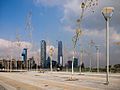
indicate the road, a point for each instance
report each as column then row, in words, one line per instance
column 33, row 80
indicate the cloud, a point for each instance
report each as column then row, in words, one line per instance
column 68, row 28
column 8, row 48
column 93, row 24
column 71, row 9
column 4, row 43
column 115, row 36
column 71, row 12
column 48, row 3
column 99, row 37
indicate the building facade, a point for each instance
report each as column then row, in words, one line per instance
column 75, row 64
column 43, row 53
column 60, row 53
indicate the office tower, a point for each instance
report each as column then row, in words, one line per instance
column 43, row 53
column 24, row 54
column 75, row 64
column 60, row 53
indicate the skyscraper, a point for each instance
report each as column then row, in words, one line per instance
column 24, row 56
column 60, row 53
column 43, row 53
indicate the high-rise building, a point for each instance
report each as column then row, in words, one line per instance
column 75, row 63
column 24, row 54
column 60, row 53
column 43, row 53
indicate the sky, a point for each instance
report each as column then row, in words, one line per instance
column 54, row 20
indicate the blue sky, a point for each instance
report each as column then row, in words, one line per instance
column 45, row 21
column 56, row 20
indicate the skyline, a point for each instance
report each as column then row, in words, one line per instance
column 56, row 20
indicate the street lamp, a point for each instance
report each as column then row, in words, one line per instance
column 97, row 57
column 91, row 43
column 107, row 13
column 51, row 54
column 75, row 39
column 81, row 61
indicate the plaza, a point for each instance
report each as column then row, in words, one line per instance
column 59, row 45
column 35, row 80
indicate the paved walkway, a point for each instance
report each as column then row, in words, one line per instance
column 57, row 81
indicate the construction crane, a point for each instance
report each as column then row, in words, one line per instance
column 29, row 29
column 29, row 26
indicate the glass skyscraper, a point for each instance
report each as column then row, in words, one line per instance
column 43, row 53
column 60, row 53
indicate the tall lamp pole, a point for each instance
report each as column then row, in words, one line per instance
column 51, row 54
column 107, row 13
column 84, row 6
column 81, row 61
column 97, row 57
column 75, row 39
column 91, row 43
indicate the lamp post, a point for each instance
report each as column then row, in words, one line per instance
column 51, row 54
column 78, row 33
column 97, row 57
column 75, row 39
column 91, row 43
column 81, row 57
column 107, row 13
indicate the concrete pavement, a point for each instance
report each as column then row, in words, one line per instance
column 58, row 81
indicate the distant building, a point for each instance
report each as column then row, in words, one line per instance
column 54, row 63
column 31, row 63
column 75, row 64
column 69, row 63
column 60, row 53
column 47, row 63
column 10, row 64
column 43, row 53
column 24, row 54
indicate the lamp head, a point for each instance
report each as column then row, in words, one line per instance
column 83, row 5
column 51, row 51
column 107, row 12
